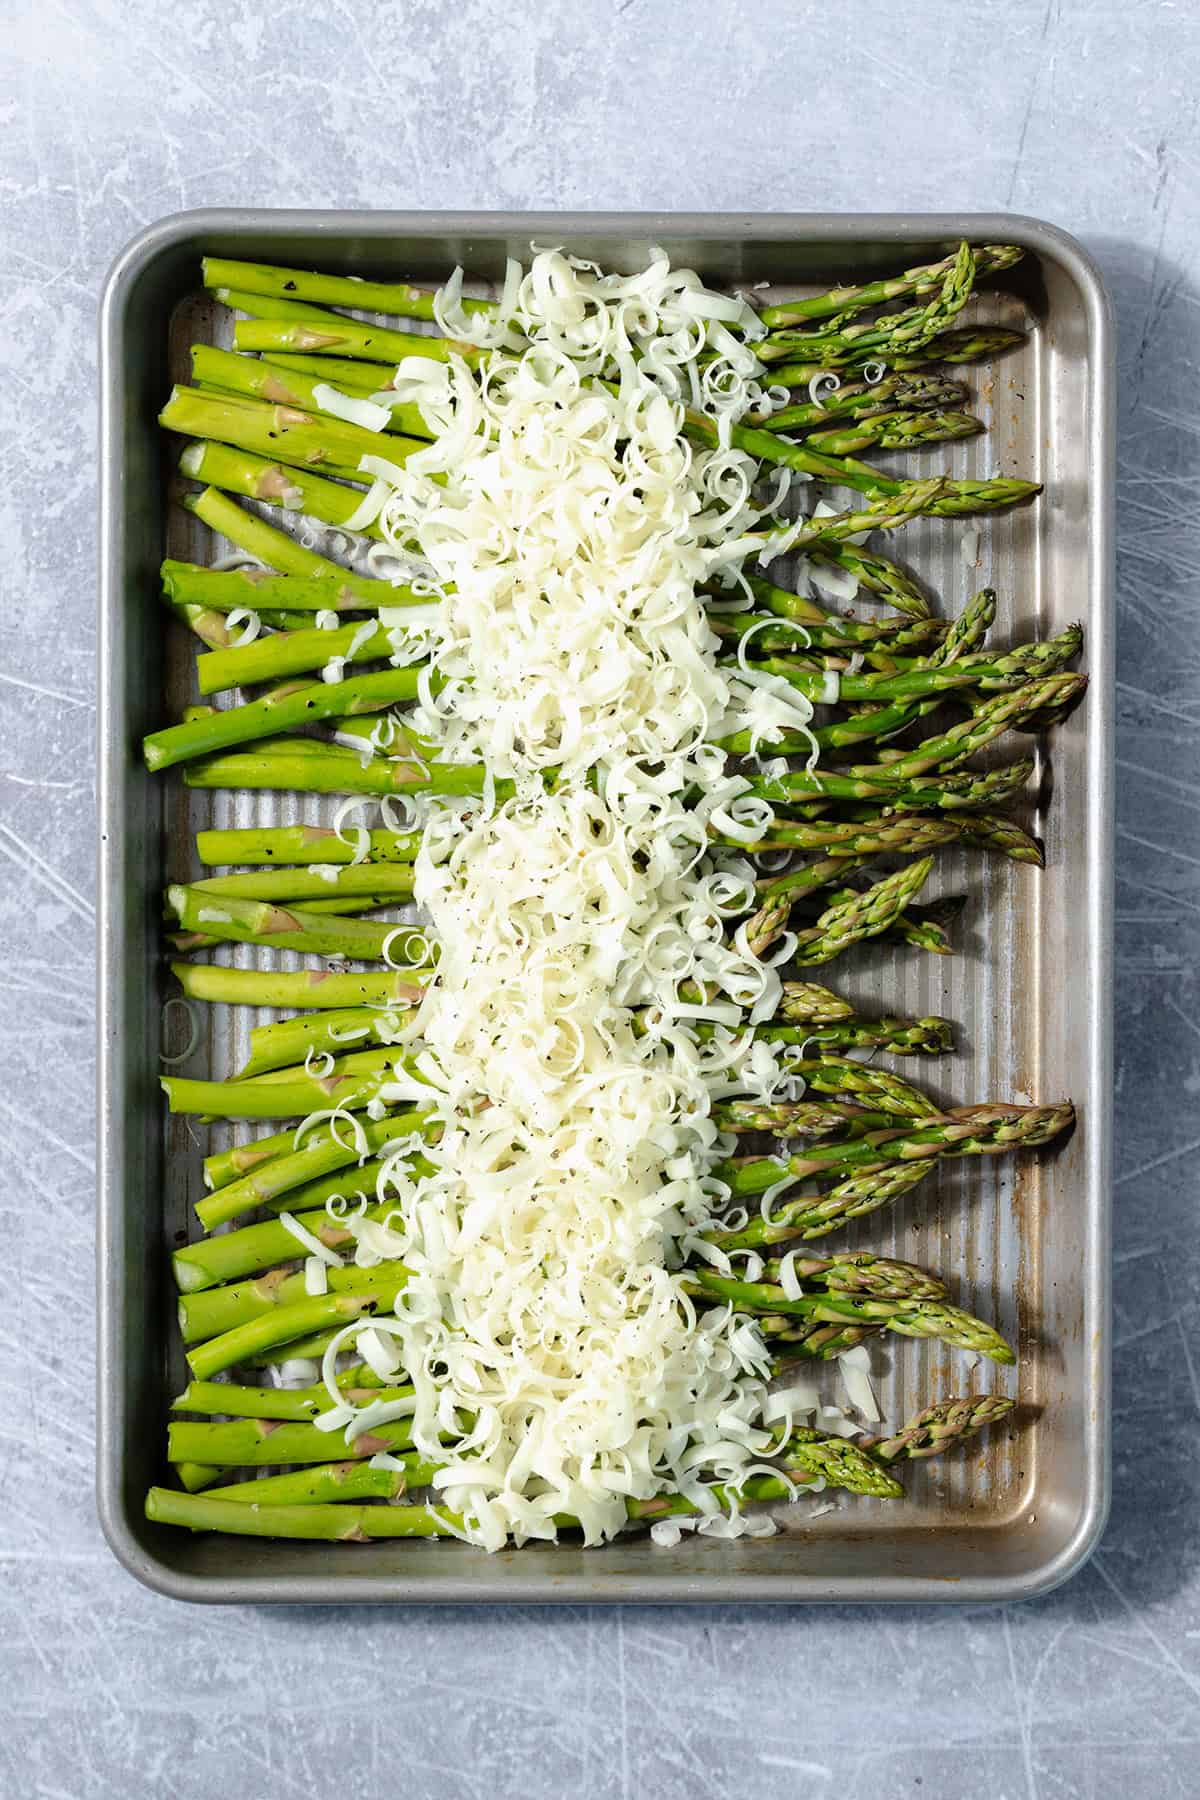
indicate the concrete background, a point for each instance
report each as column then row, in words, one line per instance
column 118, row 111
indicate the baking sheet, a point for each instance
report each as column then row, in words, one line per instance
column 1023, row 1241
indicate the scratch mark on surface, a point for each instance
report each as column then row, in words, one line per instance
column 49, row 693
column 1157, row 1162
column 1140, row 1620
column 26, row 857
column 1021, row 1709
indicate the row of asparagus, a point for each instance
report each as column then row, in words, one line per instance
column 860, row 1138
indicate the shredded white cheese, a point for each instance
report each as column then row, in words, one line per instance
column 566, row 524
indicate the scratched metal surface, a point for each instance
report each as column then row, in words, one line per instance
column 1088, row 117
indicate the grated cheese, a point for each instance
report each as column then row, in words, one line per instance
column 566, row 525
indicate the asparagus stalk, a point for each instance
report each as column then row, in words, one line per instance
column 259, row 1442
column 276, row 549
column 899, row 1037
column 266, row 1099
column 987, row 259
column 400, row 297
column 865, row 400
column 336, row 1524
column 286, row 708
column 865, row 915
column 292, row 1040
column 940, row 1426
column 908, row 1317
column 330, row 1484
column 996, row 716
column 805, row 1001
column 344, row 337
column 986, row 1130
column 230, row 373
column 296, row 988
column 259, row 306
column 953, row 499
column 894, row 431
column 878, row 1088
column 286, row 432
column 908, row 330
column 291, row 928
column 360, row 378
column 224, row 1166
column 862, row 1272
column 213, row 1311
column 962, row 344
column 296, row 1406
column 328, row 590
column 231, row 1255
column 878, row 576
column 813, row 1215
column 384, row 883
column 285, row 844
column 294, row 653
column 282, row 1325
column 279, row 484
column 267, row 1180
column 799, row 1118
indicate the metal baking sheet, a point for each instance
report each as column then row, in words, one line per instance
column 1025, row 1241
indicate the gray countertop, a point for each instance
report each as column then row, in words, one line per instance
column 118, row 111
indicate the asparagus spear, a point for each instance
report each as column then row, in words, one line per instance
column 284, row 844
column 935, row 1430
column 276, row 549
column 230, row 1255
column 296, row 988
column 282, row 1325
column 899, row 1037
column 248, row 376
column 259, row 1442
column 878, row 1088
column 997, row 715
column 864, row 400
column 360, row 378
column 908, row 1317
column 293, row 489
column 805, row 1001
column 862, row 1272
column 894, row 431
column 814, row 1215
column 953, row 499
column 401, row 297
column 259, row 306
column 284, row 709
column 296, row 1406
column 270, row 1179
column 987, row 1130
column 329, row 590
column 866, row 915
column 382, row 882
column 294, row 653
column 213, row 1311
column 909, row 330
column 963, row 344
column 340, row 336
column 292, row 928
column 987, row 259
column 286, row 432
column 878, row 576
column 339, row 1524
